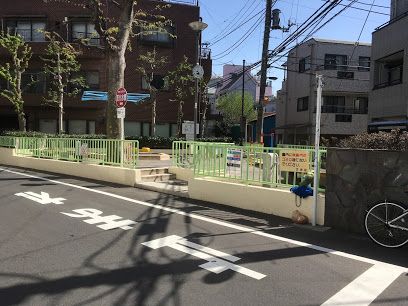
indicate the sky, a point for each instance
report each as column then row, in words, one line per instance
column 223, row 16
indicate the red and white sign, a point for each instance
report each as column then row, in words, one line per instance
column 121, row 97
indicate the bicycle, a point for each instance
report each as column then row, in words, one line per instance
column 387, row 224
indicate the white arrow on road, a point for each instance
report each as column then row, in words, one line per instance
column 42, row 198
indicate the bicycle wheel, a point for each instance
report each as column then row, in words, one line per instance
column 376, row 225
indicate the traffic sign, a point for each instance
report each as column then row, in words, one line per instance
column 121, row 113
column 121, row 97
column 198, row 72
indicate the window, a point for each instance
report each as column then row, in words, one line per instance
column 30, row 30
column 85, row 30
column 158, row 36
column 77, row 127
column 304, row 64
column 302, row 104
column 158, row 82
column 33, row 82
column 345, row 74
column 146, row 129
column 389, row 70
column 364, row 63
column 163, row 129
column 48, row 126
column 91, row 79
column 333, row 104
column 335, row 62
column 132, row 128
column 344, row 118
column 360, row 105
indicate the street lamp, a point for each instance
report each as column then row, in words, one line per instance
column 197, row 27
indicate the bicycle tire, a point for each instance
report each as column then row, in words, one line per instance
column 379, row 231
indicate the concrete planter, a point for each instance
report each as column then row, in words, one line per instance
column 357, row 179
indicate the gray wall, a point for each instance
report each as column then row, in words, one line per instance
column 358, row 179
column 390, row 102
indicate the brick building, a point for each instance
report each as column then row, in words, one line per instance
column 72, row 23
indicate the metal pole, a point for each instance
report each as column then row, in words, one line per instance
column 196, row 88
column 317, row 145
column 122, row 138
column 243, row 125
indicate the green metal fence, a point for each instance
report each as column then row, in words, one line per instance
column 297, row 146
column 96, row 151
column 183, row 152
column 7, row 141
column 268, row 167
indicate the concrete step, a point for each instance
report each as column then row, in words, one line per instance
column 151, row 171
column 162, row 177
column 174, row 187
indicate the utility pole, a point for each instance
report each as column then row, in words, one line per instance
column 243, row 121
column 316, row 175
column 264, row 68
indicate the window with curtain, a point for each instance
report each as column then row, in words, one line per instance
column 30, row 30
column 335, row 62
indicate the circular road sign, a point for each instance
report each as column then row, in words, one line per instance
column 198, row 72
column 121, row 97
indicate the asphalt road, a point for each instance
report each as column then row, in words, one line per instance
column 56, row 248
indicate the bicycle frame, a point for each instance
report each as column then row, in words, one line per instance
column 396, row 219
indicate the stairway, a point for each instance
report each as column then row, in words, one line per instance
column 160, row 180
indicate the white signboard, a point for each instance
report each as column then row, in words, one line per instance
column 121, row 113
column 217, row 261
column 188, row 127
column 234, row 158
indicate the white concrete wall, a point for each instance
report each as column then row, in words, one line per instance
column 117, row 175
column 182, row 173
column 266, row 200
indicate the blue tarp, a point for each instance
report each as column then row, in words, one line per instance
column 103, row 96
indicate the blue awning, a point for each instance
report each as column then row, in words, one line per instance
column 103, row 96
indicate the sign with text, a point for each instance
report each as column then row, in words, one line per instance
column 121, row 97
column 294, row 160
column 234, row 158
column 121, row 113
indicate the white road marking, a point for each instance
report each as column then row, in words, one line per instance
column 109, row 222
column 214, row 264
column 365, row 288
column 42, row 198
column 219, row 222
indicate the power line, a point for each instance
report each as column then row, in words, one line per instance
column 239, row 26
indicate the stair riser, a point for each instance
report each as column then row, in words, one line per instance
column 154, row 171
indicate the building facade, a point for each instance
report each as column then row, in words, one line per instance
column 389, row 85
column 345, row 67
column 74, row 23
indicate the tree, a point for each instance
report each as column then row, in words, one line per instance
column 150, row 62
column 114, row 32
column 60, row 65
column 230, row 106
column 12, row 71
column 181, row 81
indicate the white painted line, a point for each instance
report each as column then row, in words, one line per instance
column 208, row 250
column 365, row 288
column 218, row 222
column 214, row 264
column 42, row 198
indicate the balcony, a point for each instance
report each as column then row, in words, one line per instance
column 336, row 109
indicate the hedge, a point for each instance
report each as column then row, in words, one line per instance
column 155, row 142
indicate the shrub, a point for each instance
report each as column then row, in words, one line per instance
column 395, row 140
column 156, row 142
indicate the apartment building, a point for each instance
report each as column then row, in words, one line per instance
column 73, row 22
column 389, row 85
column 345, row 67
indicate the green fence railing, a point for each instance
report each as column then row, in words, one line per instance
column 297, row 146
column 183, row 152
column 263, row 166
column 96, row 151
column 7, row 141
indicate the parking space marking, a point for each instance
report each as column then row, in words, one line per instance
column 214, row 264
column 218, row 222
column 365, row 288
column 42, row 198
